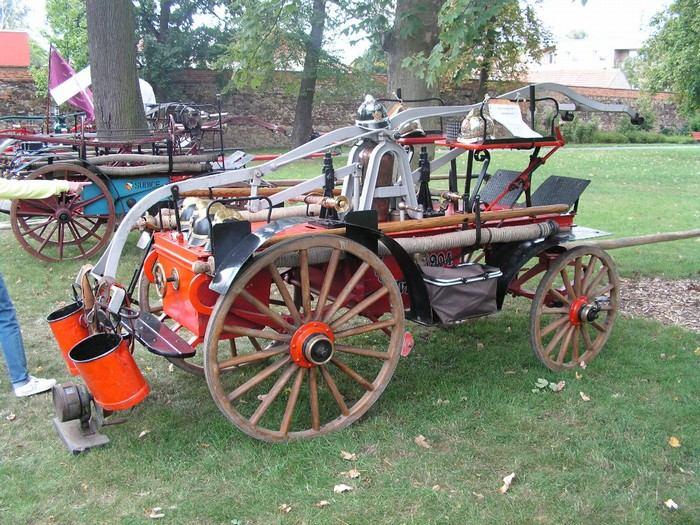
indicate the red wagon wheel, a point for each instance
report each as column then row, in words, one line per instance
column 65, row 227
column 574, row 308
column 326, row 359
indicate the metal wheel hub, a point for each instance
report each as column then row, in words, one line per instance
column 583, row 311
column 63, row 214
column 312, row 344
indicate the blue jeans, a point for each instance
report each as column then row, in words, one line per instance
column 11, row 339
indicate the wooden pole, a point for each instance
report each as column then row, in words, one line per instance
column 626, row 242
column 439, row 222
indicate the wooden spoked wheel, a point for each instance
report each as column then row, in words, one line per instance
column 574, row 308
column 326, row 358
column 65, row 227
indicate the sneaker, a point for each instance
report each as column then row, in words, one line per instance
column 35, row 385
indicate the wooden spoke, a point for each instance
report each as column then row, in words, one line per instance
column 565, row 344
column 264, row 309
column 577, row 277
column 365, row 328
column 255, row 344
column 595, row 280
column 270, row 397
column 347, row 290
column 38, row 226
column 574, row 350
column 556, row 338
column 48, row 237
column 77, row 238
column 559, row 296
column 334, row 391
column 587, row 339
column 327, row 282
column 292, row 401
column 590, row 268
column 598, row 327
column 603, row 291
column 359, row 308
column 554, row 311
column 567, row 283
column 362, row 351
column 258, row 378
column 305, row 283
column 262, row 334
column 284, row 292
column 352, row 374
column 313, row 399
column 554, row 325
column 252, row 358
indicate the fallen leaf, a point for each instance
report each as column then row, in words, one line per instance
column 352, row 473
column 143, row 433
column 149, row 369
column 155, row 513
column 578, row 376
column 674, row 442
column 557, row 387
column 506, row 483
column 436, row 487
column 697, row 351
column 322, row 503
column 479, row 346
column 348, row 456
column 584, row 396
column 510, row 372
column 421, row 441
column 688, row 472
column 616, row 395
column 11, row 416
column 535, row 390
column 442, row 402
column 286, row 508
column 171, row 367
column 541, row 382
column 478, row 495
column 583, row 364
column 670, row 504
column 341, row 488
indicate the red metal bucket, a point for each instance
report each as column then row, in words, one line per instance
column 69, row 328
column 109, row 371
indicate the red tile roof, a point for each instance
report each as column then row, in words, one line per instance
column 14, row 49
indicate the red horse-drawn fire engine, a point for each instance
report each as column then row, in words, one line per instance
column 293, row 302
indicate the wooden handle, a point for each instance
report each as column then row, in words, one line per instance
column 242, row 192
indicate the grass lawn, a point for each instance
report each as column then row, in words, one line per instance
column 467, row 390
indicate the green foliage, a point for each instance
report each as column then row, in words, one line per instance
column 694, row 122
column 171, row 38
column 67, row 30
column 39, row 59
column 669, row 59
column 579, row 132
column 495, row 36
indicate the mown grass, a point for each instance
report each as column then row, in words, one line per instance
column 466, row 389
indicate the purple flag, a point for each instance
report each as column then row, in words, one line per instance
column 67, row 86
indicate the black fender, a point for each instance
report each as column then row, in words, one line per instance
column 511, row 257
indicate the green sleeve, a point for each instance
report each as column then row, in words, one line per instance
column 31, row 189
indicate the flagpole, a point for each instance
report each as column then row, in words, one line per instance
column 48, row 94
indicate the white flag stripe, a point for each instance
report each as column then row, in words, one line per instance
column 72, row 86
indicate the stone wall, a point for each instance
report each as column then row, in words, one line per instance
column 17, row 94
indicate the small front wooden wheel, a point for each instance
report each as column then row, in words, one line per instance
column 326, row 358
column 574, row 308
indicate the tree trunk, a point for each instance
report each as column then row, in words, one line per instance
column 485, row 69
column 164, row 21
column 401, row 43
column 305, row 101
column 119, row 110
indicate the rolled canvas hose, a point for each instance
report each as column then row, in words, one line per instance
column 444, row 241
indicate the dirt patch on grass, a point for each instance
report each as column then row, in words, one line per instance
column 672, row 302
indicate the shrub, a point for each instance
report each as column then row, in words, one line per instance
column 694, row 122
column 610, row 137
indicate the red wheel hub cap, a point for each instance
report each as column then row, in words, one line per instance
column 312, row 344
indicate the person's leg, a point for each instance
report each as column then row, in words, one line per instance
column 11, row 339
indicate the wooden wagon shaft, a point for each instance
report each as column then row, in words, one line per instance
column 639, row 240
column 243, row 192
column 438, row 222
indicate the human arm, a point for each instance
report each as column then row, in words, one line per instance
column 37, row 189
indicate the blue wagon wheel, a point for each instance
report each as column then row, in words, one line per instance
column 65, row 227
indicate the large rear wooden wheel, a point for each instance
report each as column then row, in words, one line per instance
column 574, row 308
column 65, row 227
column 325, row 358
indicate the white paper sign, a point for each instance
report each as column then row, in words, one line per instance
column 509, row 116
